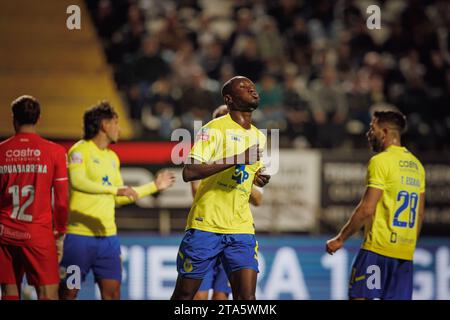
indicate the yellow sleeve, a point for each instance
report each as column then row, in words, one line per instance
column 142, row 191
column 422, row 179
column 376, row 173
column 78, row 178
column 205, row 145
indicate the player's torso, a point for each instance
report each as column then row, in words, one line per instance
column 222, row 200
column 92, row 213
column 101, row 166
column 26, row 175
column 394, row 225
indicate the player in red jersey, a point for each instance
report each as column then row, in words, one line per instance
column 30, row 168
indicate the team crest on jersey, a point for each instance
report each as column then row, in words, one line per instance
column 203, row 134
column 105, row 181
column 240, row 175
column 76, row 158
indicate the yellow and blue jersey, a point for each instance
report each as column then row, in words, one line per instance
column 392, row 231
column 94, row 176
column 221, row 204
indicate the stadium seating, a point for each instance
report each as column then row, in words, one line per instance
column 64, row 69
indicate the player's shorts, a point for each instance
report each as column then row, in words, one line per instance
column 216, row 279
column 379, row 277
column 39, row 262
column 199, row 251
column 101, row 254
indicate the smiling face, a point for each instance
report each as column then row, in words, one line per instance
column 242, row 95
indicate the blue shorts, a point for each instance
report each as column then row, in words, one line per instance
column 101, row 254
column 216, row 279
column 379, row 277
column 200, row 250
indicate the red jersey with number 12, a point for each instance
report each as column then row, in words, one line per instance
column 30, row 167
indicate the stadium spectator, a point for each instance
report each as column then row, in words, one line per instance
column 262, row 37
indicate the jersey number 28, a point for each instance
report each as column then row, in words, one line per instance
column 409, row 200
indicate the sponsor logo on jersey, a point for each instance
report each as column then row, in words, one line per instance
column 22, row 153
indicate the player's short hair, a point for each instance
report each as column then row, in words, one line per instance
column 93, row 117
column 227, row 88
column 26, row 110
column 394, row 118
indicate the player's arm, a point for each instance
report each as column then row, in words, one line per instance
column 198, row 171
column 363, row 212
column 79, row 179
column 421, row 213
column 421, row 201
column 194, row 187
column 60, row 187
column 165, row 179
column 256, row 196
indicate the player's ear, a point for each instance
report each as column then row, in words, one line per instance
column 103, row 124
column 228, row 99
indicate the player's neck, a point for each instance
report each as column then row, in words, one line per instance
column 26, row 129
column 393, row 142
column 244, row 119
column 101, row 141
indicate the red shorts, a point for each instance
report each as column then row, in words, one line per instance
column 38, row 262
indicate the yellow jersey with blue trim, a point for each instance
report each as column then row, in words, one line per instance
column 392, row 231
column 221, row 204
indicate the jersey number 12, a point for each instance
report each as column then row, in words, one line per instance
column 19, row 211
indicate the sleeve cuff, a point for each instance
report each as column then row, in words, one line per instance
column 196, row 157
column 146, row 189
column 376, row 186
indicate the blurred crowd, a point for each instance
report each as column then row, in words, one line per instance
column 318, row 68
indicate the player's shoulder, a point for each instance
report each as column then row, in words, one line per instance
column 380, row 159
column 217, row 123
column 53, row 146
column 261, row 136
column 112, row 154
column 79, row 146
column 6, row 142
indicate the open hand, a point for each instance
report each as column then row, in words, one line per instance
column 164, row 179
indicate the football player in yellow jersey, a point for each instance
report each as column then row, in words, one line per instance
column 96, row 188
column 225, row 157
column 216, row 278
column 391, row 211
